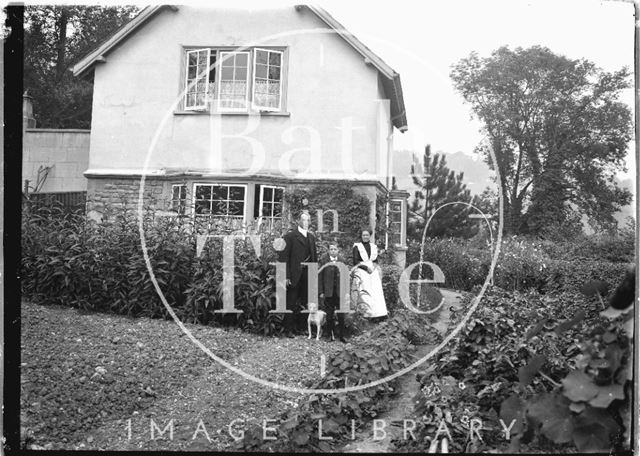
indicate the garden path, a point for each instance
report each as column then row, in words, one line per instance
column 408, row 387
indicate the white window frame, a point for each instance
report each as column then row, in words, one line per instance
column 402, row 221
column 221, row 58
column 273, row 187
column 211, row 102
column 254, row 106
column 186, row 79
column 219, row 184
column 173, row 186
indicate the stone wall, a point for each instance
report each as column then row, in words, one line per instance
column 104, row 191
column 124, row 192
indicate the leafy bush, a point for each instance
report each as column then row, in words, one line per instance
column 462, row 270
column 614, row 246
column 390, row 279
column 522, row 265
column 70, row 260
column 549, row 362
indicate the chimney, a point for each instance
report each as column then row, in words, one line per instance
column 28, row 121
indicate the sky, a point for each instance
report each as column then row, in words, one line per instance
column 422, row 40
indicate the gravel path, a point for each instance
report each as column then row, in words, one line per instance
column 408, row 387
column 85, row 375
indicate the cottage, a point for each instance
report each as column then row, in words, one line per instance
column 225, row 110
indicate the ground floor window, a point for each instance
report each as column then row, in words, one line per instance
column 220, row 203
column 179, row 198
column 229, row 206
column 268, row 203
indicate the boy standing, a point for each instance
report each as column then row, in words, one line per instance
column 329, row 289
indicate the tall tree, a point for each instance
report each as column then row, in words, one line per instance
column 558, row 131
column 56, row 38
column 438, row 185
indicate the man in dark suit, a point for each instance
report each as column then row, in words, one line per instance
column 300, row 248
column 329, row 290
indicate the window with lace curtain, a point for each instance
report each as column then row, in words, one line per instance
column 230, row 80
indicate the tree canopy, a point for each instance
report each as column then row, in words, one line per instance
column 56, row 38
column 438, row 185
column 558, row 131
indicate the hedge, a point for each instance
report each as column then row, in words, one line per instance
column 70, row 260
column 522, row 265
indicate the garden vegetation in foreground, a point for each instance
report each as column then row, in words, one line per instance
column 536, row 357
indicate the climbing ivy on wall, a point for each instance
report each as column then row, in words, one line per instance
column 353, row 210
column 381, row 215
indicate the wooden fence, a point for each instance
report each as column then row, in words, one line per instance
column 71, row 201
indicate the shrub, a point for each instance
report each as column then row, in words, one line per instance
column 571, row 275
column 547, row 360
column 523, row 264
column 70, row 260
column 390, row 277
column 462, row 270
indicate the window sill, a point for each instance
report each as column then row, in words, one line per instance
column 205, row 112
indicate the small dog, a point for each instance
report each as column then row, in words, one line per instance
column 318, row 318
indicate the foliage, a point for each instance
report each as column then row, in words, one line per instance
column 526, row 263
column 382, row 227
column 353, row 211
column 56, row 38
column 430, row 297
column 371, row 356
column 506, row 365
column 437, row 186
column 390, row 279
column 558, row 131
column 70, row 260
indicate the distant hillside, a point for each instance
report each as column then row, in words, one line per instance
column 477, row 176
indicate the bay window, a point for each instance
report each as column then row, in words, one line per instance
column 221, row 204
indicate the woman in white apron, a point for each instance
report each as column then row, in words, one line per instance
column 368, row 276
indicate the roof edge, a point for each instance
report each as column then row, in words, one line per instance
column 399, row 120
column 97, row 55
column 350, row 38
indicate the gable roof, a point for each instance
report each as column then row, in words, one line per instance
column 98, row 55
column 390, row 79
